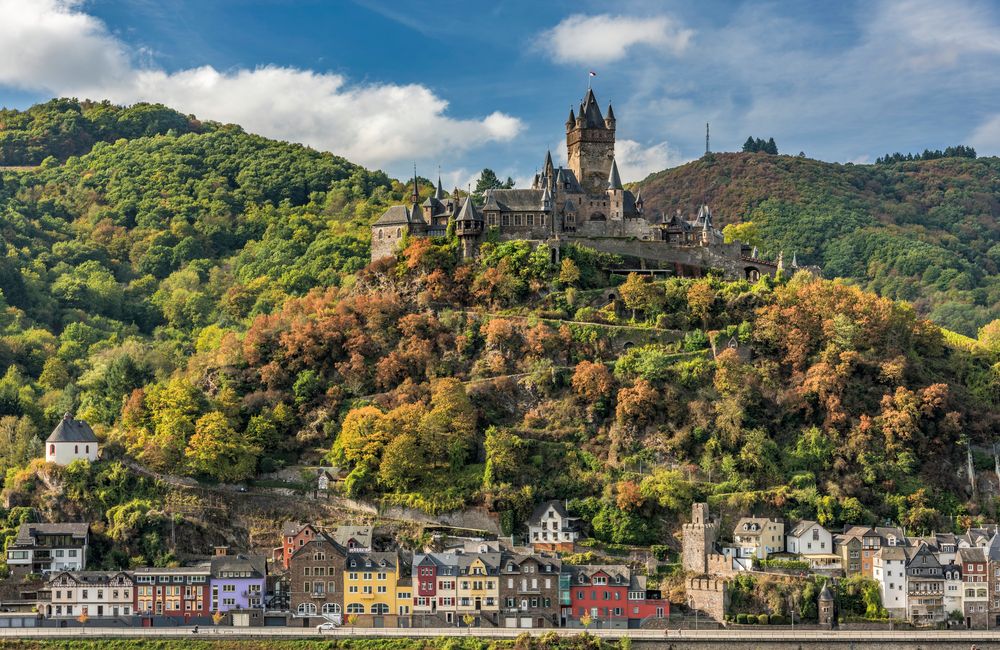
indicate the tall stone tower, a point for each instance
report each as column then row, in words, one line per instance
column 699, row 539
column 590, row 144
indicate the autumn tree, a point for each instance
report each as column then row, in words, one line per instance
column 217, row 450
column 569, row 272
column 592, row 381
column 639, row 294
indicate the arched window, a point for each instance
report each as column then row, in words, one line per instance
column 399, row 232
column 87, row 449
column 381, row 233
column 76, row 449
column 355, row 608
column 380, row 608
column 306, row 608
column 331, row 608
column 52, row 450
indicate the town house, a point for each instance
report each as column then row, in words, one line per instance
column 529, row 590
column 316, row 579
column 45, row 548
column 238, row 581
column 758, row 537
column 178, row 592
column 94, row 594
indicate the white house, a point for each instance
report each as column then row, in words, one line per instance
column 71, row 440
column 91, row 593
column 45, row 548
column 551, row 528
column 889, row 571
column 954, row 589
column 809, row 538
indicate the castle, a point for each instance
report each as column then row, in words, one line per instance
column 582, row 203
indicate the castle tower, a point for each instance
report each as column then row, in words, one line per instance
column 699, row 539
column 590, row 145
column 469, row 227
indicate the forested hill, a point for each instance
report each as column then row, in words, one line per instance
column 923, row 231
column 204, row 300
column 66, row 127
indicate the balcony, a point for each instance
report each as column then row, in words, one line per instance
column 317, row 594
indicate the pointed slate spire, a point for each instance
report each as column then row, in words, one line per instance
column 590, row 111
column 416, row 191
column 546, row 198
column 547, row 167
column 572, row 119
column 468, row 211
column 611, row 112
column 439, row 192
column 638, row 198
column 614, row 180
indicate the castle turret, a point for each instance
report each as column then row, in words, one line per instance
column 468, row 227
column 609, row 121
column 571, row 122
column 638, row 201
column 616, row 193
column 415, row 197
column 439, row 192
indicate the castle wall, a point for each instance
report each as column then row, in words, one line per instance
column 709, row 595
column 386, row 245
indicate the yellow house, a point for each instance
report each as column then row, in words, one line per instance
column 478, row 593
column 372, row 589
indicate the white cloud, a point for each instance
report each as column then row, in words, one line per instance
column 52, row 45
column 605, row 38
column 636, row 161
column 986, row 137
column 932, row 33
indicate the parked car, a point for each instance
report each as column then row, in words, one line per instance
column 323, row 627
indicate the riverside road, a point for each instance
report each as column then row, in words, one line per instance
column 651, row 639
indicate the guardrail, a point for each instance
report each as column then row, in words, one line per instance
column 884, row 636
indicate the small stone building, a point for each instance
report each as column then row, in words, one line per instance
column 827, row 608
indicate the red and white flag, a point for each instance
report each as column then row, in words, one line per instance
column 593, row 74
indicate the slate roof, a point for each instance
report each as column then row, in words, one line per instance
column 614, row 180
column 971, row 555
column 892, row 553
column 469, row 212
column 70, row 430
column 361, row 534
column 255, row 564
column 90, row 577
column 27, row 533
column 292, row 528
column 591, row 112
column 516, row 200
column 541, row 508
column 394, row 215
column 802, row 527
column 378, row 560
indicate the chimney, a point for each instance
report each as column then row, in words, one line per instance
column 221, row 551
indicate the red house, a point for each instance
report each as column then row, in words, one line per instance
column 294, row 535
column 612, row 597
column 181, row 592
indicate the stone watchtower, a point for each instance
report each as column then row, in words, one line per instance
column 590, row 145
column 699, row 539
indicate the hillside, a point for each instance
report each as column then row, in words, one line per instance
column 204, row 300
column 923, row 231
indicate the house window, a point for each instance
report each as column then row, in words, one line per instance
column 505, row 220
column 491, row 219
column 76, row 449
column 52, row 450
column 529, row 219
column 517, row 219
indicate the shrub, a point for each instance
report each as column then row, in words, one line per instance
column 778, row 619
column 741, row 619
column 762, row 619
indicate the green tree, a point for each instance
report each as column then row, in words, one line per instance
column 217, row 450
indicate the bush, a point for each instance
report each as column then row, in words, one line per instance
column 762, row 619
column 778, row 619
column 741, row 619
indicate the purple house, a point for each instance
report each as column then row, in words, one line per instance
column 238, row 581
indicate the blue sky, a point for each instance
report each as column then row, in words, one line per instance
column 464, row 85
